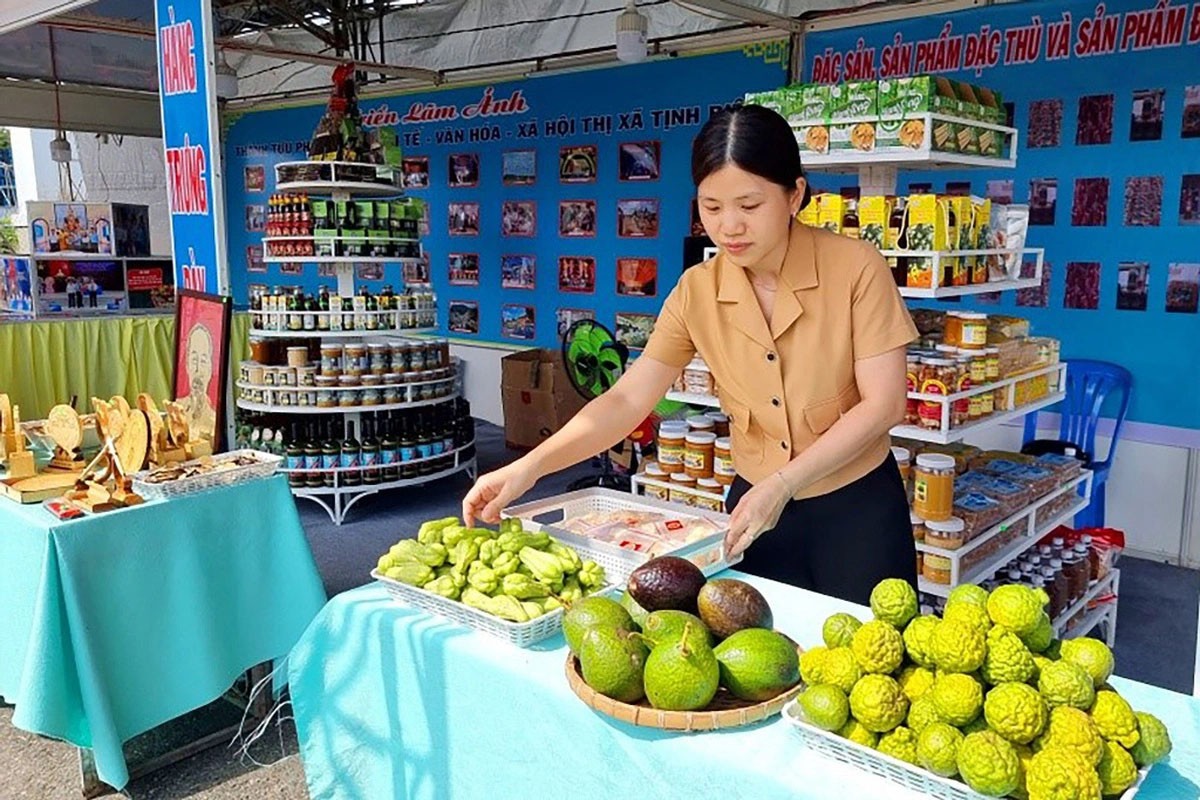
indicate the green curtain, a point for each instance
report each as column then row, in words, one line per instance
column 45, row 363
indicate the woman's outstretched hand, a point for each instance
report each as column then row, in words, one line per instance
column 495, row 490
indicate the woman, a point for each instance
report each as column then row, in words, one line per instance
column 805, row 335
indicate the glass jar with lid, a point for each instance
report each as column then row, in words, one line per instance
column 939, row 376
column 933, row 486
column 974, row 331
column 947, row 534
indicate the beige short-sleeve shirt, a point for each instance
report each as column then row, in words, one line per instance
column 785, row 383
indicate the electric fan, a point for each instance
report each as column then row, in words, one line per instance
column 594, row 361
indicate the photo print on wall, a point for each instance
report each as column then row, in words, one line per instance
column 517, row 322
column 517, row 272
column 639, row 161
column 1183, row 288
column 464, row 317
column 577, row 218
column 566, row 317
column 1045, row 123
column 1189, row 200
column 1143, row 201
column 633, row 330
column 463, row 170
column 577, row 164
column 464, row 269
column 464, row 219
column 637, row 219
column 577, row 274
column 1095, row 121
column 1043, row 199
column 518, row 218
column 1083, row 285
column 1037, row 296
column 415, row 172
column 254, row 178
column 1190, row 128
column 1133, row 282
column 1089, row 206
column 1000, row 191
column 1146, row 115
column 637, row 277
column 518, row 167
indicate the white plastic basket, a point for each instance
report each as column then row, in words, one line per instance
column 707, row 553
column 522, row 634
column 264, row 466
column 907, row 775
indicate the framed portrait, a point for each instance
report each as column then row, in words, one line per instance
column 518, row 218
column 202, row 362
column 577, row 218
column 577, row 274
column 637, row 277
column 464, row 170
column 519, row 167
column 415, row 172
column 639, row 161
column 464, row 219
column 464, row 269
column 517, row 272
column 637, row 219
column 577, row 164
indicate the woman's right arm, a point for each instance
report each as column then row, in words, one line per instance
column 598, row 426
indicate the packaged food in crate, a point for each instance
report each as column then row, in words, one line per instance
column 978, row 512
column 1065, row 467
column 999, row 467
column 1012, row 497
column 615, row 527
column 1040, row 481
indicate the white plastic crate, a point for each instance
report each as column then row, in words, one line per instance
column 264, row 466
column 907, row 775
column 707, row 553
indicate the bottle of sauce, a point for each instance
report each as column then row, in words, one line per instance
column 1055, row 592
column 1060, row 581
column 351, row 457
column 1083, row 553
column 425, row 445
column 295, row 458
column 1093, row 557
column 1073, row 568
column 850, row 222
column 389, row 451
column 331, row 459
column 312, row 457
column 408, row 449
column 370, row 452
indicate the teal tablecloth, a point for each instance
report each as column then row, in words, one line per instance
column 116, row 623
column 391, row 702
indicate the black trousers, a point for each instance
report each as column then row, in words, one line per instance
column 842, row 543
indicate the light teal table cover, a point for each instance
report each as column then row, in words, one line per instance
column 116, row 623
column 391, row 702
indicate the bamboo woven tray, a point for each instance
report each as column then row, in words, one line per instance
column 725, row 711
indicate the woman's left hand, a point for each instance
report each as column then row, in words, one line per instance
column 757, row 512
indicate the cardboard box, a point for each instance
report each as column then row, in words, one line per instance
column 962, row 237
column 926, row 228
column 854, row 111
column 808, row 111
column 537, row 396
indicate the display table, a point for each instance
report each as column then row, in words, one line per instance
column 116, row 623
column 392, row 702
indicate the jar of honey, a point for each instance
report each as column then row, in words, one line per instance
column 709, row 486
column 936, row 569
column 948, row 534
column 974, row 330
column 671, row 440
column 723, row 469
column 699, row 449
column 933, row 487
column 939, row 376
column 655, row 472
column 952, row 330
column 682, row 485
column 904, row 462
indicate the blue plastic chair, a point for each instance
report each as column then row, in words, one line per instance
column 1090, row 384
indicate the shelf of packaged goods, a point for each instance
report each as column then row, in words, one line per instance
column 341, row 260
column 338, row 494
column 262, row 387
column 264, row 408
column 693, row 399
column 956, row 556
column 1109, row 582
column 343, row 470
column 1011, row 551
column 339, row 334
column 936, row 270
column 955, row 434
column 340, row 239
column 924, row 157
column 639, row 481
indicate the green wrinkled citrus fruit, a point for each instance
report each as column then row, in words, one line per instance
column 975, row 726
column 1016, row 711
column 1008, row 660
column 958, row 698
column 1015, row 607
column 1116, row 770
column 1071, row 729
column 878, row 702
column 812, row 665
column 1154, row 743
column 855, row 731
column 988, row 763
column 878, row 647
column 1064, row 684
column 937, row 749
column 894, row 601
column 968, row 593
column 825, row 706
column 1024, row 756
column 900, row 743
column 1061, row 774
column 915, row 681
column 1092, row 655
column 1114, row 719
column 1041, row 638
column 971, row 614
column 840, row 668
column 958, row 647
column 917, row 636
column 838, row 630
column 921, row 714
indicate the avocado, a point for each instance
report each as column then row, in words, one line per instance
column 728, row 606
column 593, row 612
column 666, row 582
column 637, row 612
column 667, row 626
column 683, row 675
column 612, row 661
column 757, row 664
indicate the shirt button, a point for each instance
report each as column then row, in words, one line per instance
column 783, row 445
column 775, row 401
column 770, row 356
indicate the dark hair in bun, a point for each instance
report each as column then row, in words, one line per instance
column 752, row 137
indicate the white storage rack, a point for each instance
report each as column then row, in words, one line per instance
column 338, row 499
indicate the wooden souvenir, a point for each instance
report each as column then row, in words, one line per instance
column 20, row 461
column 65, row 428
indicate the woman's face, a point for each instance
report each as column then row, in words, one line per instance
column 746, row 215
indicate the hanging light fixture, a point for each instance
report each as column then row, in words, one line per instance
column 631, row 34
column 60, row 148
